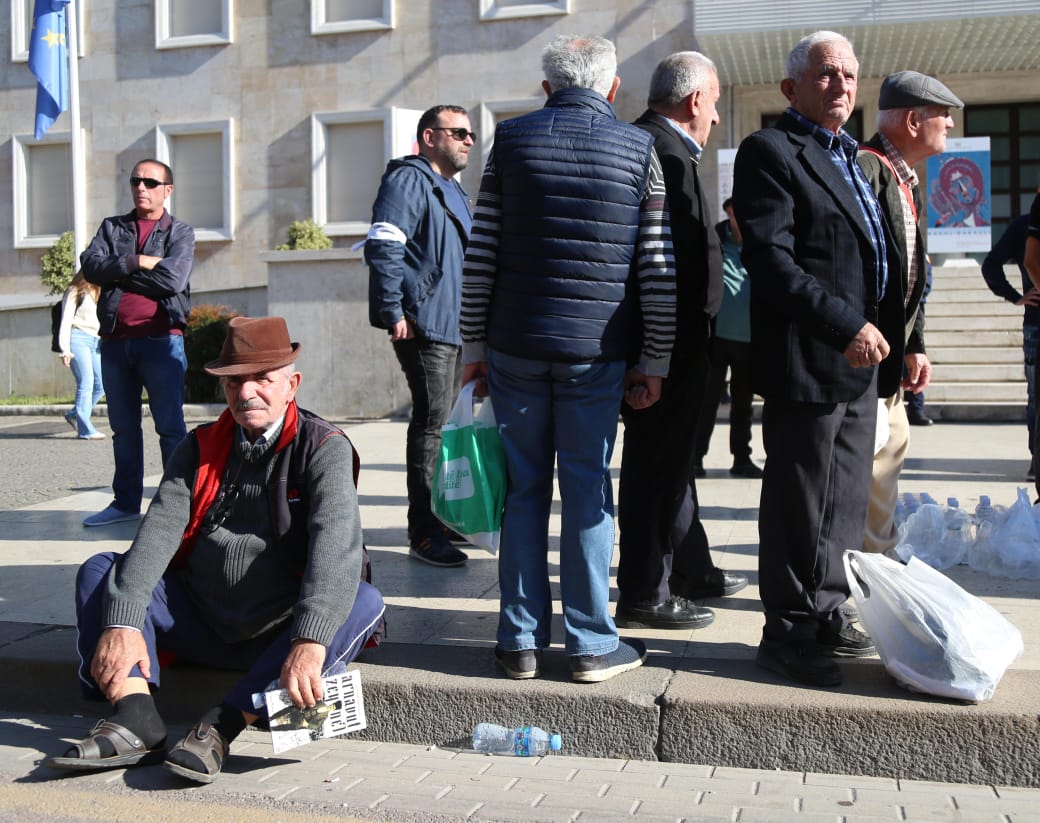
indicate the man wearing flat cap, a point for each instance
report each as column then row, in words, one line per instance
column 913, row 121
column 250, row 558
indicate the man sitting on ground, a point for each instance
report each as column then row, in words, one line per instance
column 250, row 558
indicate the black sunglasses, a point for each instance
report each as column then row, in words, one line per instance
column 149, row 182
column 458, row 133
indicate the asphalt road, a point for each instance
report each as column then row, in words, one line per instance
column 42, row 459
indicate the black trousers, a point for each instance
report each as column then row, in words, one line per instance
column 736, row 356
column 433, row 371
column 815, row 494
column 662, row 540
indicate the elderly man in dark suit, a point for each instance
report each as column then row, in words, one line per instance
column 822, row 319
column 665, row 564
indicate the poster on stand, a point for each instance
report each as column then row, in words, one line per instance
column 959, row 204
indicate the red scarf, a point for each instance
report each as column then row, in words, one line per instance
column 214, row 448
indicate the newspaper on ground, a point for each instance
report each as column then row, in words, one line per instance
column 340, row 711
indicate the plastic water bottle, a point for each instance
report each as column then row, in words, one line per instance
column 523, row 741
column 957, row 539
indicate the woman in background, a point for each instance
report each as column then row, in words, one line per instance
column 78, row 339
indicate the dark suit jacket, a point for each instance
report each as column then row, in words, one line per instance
column 886, row 187
column 811, row 259
column 698, row 256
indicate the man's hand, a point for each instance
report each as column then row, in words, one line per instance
column 476, row 371
column 402, row 330
column 117, row 652
column 641, row 390
column 301, row 673
column 1030, row 298
column 147, row 262
column 918, row 373
column 867, row 348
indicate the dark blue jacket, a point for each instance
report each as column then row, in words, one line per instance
column 110, row 261
column 572, row 177
column 1011, row 248
column 421, row 277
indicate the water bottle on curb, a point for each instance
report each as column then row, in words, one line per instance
column 523, row 741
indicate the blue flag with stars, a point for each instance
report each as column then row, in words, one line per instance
column 49, row 61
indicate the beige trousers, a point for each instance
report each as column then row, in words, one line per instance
column 881, row 534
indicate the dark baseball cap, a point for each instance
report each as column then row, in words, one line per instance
column 906, row 89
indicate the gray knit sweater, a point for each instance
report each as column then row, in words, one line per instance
column 237, row 577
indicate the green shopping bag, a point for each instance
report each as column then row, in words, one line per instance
column 469, row 489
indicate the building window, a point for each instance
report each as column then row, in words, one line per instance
column 1014, row 143
column 184, row 23
column 21, row 30
column 350, row 150
column 200, row 155
column 334, row 16
column 504, row 9
column 42, row 188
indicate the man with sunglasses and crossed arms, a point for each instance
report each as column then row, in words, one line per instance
column 250, row 558
column 421, row 222
column 142, row 261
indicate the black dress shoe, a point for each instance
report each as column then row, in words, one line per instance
column 800, row 662
column 716, row 583
column 745, row 468
column 917, row 418
column 673, row 613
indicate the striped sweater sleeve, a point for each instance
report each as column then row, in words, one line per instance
column 478, row 270
column 655, row 269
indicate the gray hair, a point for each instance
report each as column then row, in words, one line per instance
column 798, row 60
column 579, row 62
column 678, row 76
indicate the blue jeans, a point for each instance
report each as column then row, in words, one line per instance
column 86, row 368
column 567, row 413
column 155, row 364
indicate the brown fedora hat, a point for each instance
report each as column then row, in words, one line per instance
column 253, row 345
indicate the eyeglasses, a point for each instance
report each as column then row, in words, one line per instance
column 459, row 133
column 221, row 508
column 149, row 182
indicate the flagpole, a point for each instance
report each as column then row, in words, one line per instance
column 79, row 190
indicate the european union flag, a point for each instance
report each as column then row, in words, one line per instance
column 49, row 61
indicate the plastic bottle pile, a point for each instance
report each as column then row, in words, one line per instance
column 997, row 540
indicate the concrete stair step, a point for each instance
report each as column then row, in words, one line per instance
column 967, row 322
column 967, row 354
column 974, row 308
column 965, row 294
column 976, row 392
column 981, row 372
column 937, row 337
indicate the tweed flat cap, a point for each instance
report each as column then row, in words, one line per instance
column 906, row 89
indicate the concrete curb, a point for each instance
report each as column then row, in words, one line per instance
column 725, row 712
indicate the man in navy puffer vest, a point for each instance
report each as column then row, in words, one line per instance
column 570, row 239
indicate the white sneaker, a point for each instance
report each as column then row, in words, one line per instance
column 93, row 436
column 110, row 515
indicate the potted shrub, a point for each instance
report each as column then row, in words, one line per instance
column 305, row 235
column 203, row 339
column 58, row 265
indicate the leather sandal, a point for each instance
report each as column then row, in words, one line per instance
column 207, row 745
column 129, row 750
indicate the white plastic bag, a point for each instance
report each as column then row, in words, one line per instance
column 932, row 635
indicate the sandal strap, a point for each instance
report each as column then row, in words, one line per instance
column 122, row 739
column 206, row 743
